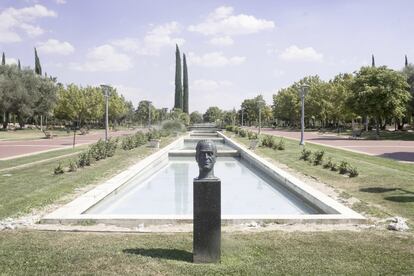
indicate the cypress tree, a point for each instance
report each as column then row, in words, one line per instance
column 185, row 86
column 38, row 67
column 178, row 101
column 18, row 65
column 3, row 59
column 406, row 61
column 372, row 61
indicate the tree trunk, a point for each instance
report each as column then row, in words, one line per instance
column 377, row 131
column 6, row 120
column 366, row 123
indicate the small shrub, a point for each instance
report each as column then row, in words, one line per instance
column 128, row 143
column 165, row 133
column 98, row 150
column 72, row 166
column 334, row 167
column 153, row 134
column 84, row 159
column 230, row 128
column 110, row 147
column 138, row 139
column 58, row 169
column 353, row 171
column 243, row 133
column 318, row 157
column 281, row 144
column 173, row 125
column 267, row 141
column 251, row 135
column 305, row 154
column 343, row 167
column 328, row 164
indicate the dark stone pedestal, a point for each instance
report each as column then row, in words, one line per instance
column 207, row 220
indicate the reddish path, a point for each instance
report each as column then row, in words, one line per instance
column 395, row 149
column 13, row 149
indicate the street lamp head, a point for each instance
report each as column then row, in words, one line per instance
column 303, row 90
column 106, row 88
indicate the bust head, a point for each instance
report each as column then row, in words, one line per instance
column 206, row 154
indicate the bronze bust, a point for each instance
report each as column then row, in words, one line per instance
column 206, row 155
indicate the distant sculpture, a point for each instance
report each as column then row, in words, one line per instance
column 206, row 154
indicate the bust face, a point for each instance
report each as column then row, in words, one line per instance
column 206, row 152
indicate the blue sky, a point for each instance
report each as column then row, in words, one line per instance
column 235, row 49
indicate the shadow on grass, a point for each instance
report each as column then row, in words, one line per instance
column 162, row 253
column 377, row 190
column 403, row 199
column 402, row 156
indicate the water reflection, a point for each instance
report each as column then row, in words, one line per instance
column 181, row 185
column 169, row 191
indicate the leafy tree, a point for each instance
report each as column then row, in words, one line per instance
column 286, row 106
column 379, row 92
column 196, row 117
column 212, row 115
column 142, row 112
column 184, row 118
column 80, row 104
column 185, row 85
column 38, row 67
column 408, row 71
column 178, row 103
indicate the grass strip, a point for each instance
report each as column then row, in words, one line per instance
column 381, row 181
column 34, row 187
column 369, row 252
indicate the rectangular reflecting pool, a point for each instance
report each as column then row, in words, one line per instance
column 159, row 190
column 169, row 191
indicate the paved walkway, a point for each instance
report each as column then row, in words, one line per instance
column 395, row 149
column 14, row 149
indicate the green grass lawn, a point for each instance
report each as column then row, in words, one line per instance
column 384, row 186
column 27, row 134
column 24, row 189
column 266, row 253
column 4, row 164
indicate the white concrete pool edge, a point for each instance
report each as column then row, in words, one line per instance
column 74, row 209
column 73, row 212
column 314, row 196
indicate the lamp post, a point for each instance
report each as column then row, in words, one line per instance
column 105, row 89
column 260, row 103
column 303, row 90
column 242, row 111
column 149, row 114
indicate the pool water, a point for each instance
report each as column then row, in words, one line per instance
column 169, row 191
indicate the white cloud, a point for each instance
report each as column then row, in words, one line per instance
column 13, row 21
column 214, row 59
column 158, row 37
column 223, row 21
column 305, row 54
column 209, row 85
column 104, row 58
column 53, row 46
column 222, row 41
